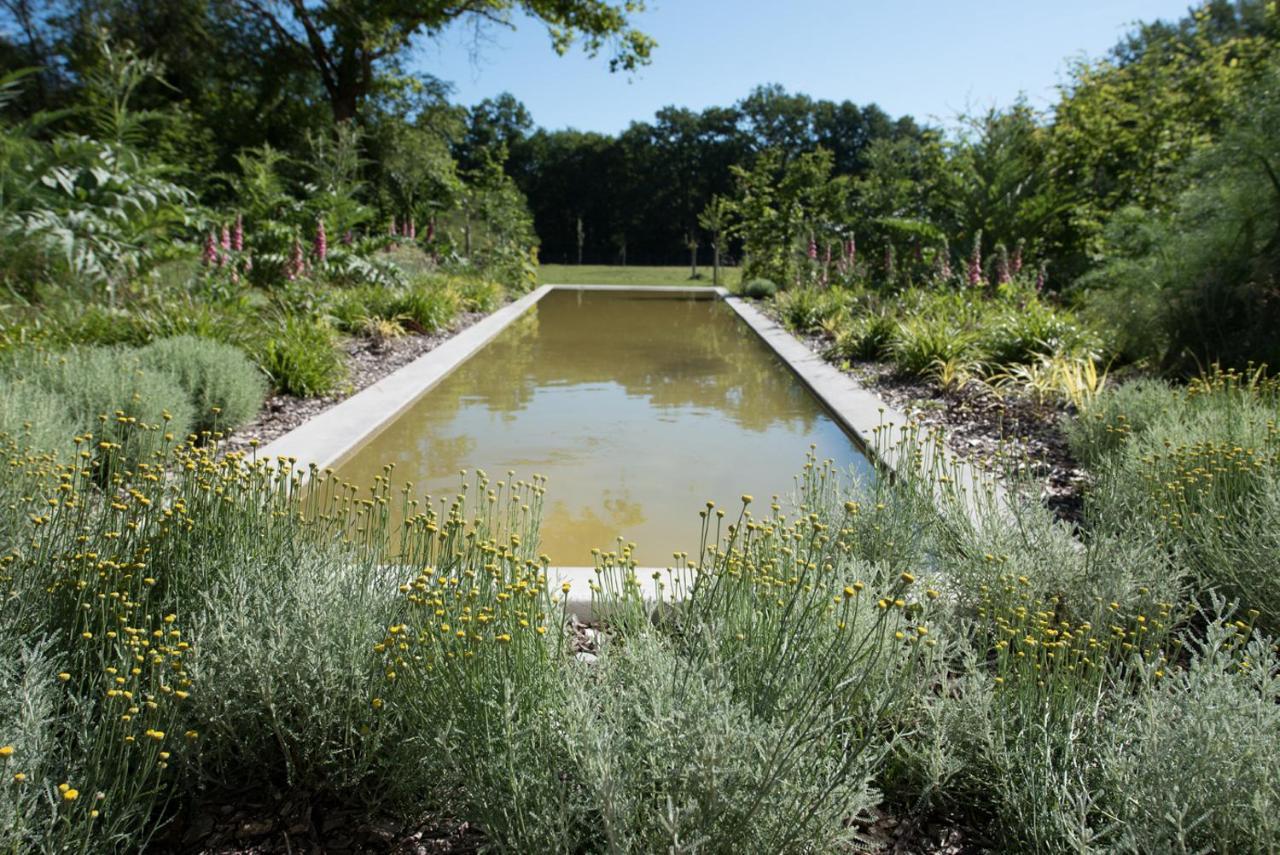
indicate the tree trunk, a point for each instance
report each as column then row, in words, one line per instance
column 715, row 261
column 693, row 261
column 345, row 104
column 582, row 235
column 466, row 237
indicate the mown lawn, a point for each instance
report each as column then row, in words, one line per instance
column 608, row 274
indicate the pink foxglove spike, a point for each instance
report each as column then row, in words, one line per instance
column 975, row 262
column 210, row 255
column 321, row 244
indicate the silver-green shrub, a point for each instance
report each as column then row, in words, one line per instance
column 1193, row 764
column 111, row 393
column 225, row 388
column 36, row 417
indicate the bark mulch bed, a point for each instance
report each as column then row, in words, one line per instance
column 1003, row 431
column 368, row 361
column 295, row 824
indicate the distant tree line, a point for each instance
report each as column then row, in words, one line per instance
column 1152, row 180
column 636, row 197
column 1121, row 135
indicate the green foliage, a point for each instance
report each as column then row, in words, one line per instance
column 1203, row 275
column 224, row 387
column 920, row 343
column 303, row 358
column 759, row 289
column 1013, row 334
column 1127, row 125
column 99, row 214
column 869, row 335
column 1199, row 471
column 780, row 204
column 36, row 417
column 805, row 310
column 428, row 306
column 478, row 294
column 90, row 210
column 998, row 180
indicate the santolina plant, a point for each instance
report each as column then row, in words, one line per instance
column 925, row 643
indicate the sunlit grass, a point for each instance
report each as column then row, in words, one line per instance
column 608, row 274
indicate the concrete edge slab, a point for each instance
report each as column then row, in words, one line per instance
column 328, row 437
column 878, row 425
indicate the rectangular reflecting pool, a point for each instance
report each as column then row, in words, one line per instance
column 637, row 407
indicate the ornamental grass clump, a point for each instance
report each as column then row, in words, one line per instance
column 303, row 358
column 868, row 336
column 428, row 305
column 477, row 294
column 921, row 343
column 1019, row 334
column 806, row 309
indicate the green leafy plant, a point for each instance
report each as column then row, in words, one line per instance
column 303, row 358
column 920, row 343
column 868, row 336
column 807, row 309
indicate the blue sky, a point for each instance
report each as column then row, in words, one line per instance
column 929, row 58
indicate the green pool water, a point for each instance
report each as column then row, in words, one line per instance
column 637, row 407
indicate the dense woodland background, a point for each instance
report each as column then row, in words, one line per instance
column 1151, row 185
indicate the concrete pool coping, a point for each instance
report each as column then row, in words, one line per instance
column 329, row 437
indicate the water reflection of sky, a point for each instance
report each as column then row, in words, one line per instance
column 636, row 407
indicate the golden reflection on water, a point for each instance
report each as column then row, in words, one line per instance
column 636, row 406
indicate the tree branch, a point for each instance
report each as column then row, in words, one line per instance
column 319, row 50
